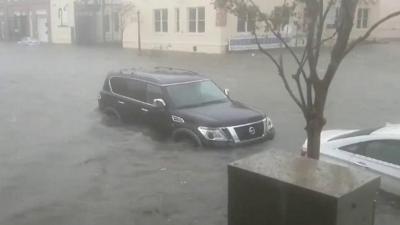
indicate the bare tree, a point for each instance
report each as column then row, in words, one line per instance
column 126, row 15
column 308, row 86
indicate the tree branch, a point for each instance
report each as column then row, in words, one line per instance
column 266, row 52
column 281, row 73
column 299, row 72
column 322, row 19
column 296, row 77
column 311, row 23
column 353, row 44
column 288, row 88
column 329, row 38
column 347, row 11
column 290, row 49
column 303, row 61
column 328, row 8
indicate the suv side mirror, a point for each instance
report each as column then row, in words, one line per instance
column 159, row 103
column 226, row 91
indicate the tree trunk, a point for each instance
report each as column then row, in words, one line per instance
column 314, row 129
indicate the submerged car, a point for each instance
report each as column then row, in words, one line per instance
column 184, row 104
column 376, row 150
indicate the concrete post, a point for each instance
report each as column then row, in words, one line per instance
column 274, row 188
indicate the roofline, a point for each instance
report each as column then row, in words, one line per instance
column 110, row 76
column 185, row 82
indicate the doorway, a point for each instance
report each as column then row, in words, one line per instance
column 43, row 29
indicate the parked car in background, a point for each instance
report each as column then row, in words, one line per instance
column 376, row 150
column 184, row 104
column 29, row 41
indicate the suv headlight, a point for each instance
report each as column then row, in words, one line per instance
column 268, row 125
column 213, row 134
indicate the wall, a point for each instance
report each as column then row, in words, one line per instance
column 374, row 15
column 215, row 39
column 391, row 28
column 113, row 35
column 28, row 13
column 265, row 6
column 62, row 26
column 208, row 42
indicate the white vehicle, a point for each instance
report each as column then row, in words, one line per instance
column 376, row 150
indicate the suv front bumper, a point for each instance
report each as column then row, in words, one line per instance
column 268, row 135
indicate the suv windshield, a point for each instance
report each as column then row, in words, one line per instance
column 195, row 94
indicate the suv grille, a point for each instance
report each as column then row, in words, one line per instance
column 251, row 131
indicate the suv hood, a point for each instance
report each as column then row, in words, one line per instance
column 220, row 115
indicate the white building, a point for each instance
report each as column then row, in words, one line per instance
column 85, row 22
column 62, row 21
column 197, row 26
column 367, row 13
column 25, row 18
column 184, row 25
column 391, row 28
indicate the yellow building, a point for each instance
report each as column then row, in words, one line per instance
column 197, row 26
column 391, row 28
column 194, row 25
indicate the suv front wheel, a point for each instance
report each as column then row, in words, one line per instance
column 111, row 117
column 187, row 136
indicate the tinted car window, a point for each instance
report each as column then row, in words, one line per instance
column 118, row 85
column 152, row 93
column 354, row 148
column 195, row 94
column 388, row 151
column 136, row 89
column 106, row 86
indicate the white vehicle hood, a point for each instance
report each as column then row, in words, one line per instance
column 329, row 134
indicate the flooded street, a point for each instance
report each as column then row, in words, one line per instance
column 60, row 164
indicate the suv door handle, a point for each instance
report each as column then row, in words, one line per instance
column 144, row 109
column 121, row 102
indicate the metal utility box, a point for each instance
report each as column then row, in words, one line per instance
column 276, row 188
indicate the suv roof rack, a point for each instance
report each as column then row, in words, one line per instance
column 159, row 69
column 128, row 70
column 173, row 69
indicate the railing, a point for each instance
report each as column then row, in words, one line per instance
column 249, row 42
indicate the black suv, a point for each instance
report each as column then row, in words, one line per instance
column 183, row 103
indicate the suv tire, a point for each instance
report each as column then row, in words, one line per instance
column 184, row 135
column 111, row 117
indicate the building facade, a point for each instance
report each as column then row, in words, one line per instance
column 25, row 18
column 86, row 21
column 197, row 26
column 176, row 25
column 390, row 29
column 367, row 13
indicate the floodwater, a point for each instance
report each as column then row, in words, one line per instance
column 60, row 164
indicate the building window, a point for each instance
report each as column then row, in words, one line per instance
column 106, row 23
column 116, row 21
column 161, row 20
column 362, row 17
column 177, row 18
column 197, row 20
column 246, row 23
